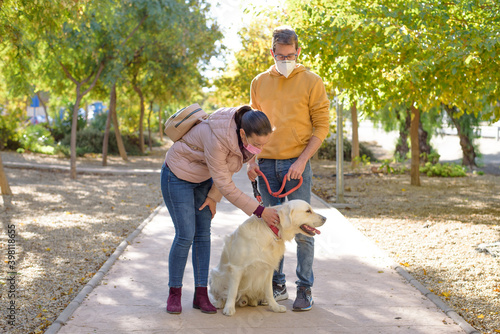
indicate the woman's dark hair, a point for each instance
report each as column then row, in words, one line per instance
column 252, row 121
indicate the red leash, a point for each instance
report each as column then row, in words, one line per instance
column 278, row 193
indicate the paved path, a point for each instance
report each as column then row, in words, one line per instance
column 357, row 288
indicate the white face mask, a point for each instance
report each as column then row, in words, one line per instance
column 285, row 67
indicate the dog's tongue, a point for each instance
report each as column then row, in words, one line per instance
column 310, row 229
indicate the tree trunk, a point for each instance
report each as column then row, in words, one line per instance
column 74, row 130
column 79, row 97
column 402, row 147
column 4, row 183
column 468, row 152
column 423, row 142
column 105, row 142
column 44, row 107
column 114, row 117
column 141, row 118
column 415, row 148
column 149, row 126
column 355, row 137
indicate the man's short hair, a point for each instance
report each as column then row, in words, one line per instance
column 285, row 35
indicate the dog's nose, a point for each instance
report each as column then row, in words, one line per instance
column 323, row 219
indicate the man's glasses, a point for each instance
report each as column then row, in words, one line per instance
column 288, row 57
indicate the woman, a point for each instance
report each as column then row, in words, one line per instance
column 197, row 172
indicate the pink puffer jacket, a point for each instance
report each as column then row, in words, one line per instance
column 219, row 157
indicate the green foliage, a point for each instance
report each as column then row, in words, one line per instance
column 99, row 121
column 9, row 123
column 396, row 51
column 443, row 170
column 90, row 140
column 38, row 139
column 328, row 150
column 62, row 127
column 363, row 160
column 433, row 157
column 233, row 86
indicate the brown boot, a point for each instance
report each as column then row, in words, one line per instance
column 202, row 302
column 174, row 301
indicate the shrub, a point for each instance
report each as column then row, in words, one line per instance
column 62, row 127
column 9, row 123
column 99, row 122
column 90, row 140
column 328, row 150
column 36, row 138
column 444, row 170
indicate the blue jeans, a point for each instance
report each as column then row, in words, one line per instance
column 192, row 227
column 275, row 171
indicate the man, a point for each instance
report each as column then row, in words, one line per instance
column 295, row 101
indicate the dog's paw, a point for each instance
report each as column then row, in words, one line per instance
column 229, row 311
column 219, row 303
column 279, row 309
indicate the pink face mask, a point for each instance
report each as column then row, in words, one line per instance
column 252, row 149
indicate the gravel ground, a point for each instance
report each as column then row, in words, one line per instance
column 433, row 231
column 66, row 229
column 64, row 232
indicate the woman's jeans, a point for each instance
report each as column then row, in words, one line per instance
column 275, row 171
column 192, row 227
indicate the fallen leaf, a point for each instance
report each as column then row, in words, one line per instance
column 480, row 316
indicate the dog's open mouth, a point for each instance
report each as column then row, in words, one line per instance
column 309, row 229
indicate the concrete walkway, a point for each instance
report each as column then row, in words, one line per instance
column 358, row 289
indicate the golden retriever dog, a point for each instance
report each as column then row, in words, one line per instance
column 252, row 253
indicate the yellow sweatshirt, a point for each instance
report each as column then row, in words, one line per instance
column 297, row 107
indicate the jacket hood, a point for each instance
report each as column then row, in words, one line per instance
column 222, row 124
column 298, row 68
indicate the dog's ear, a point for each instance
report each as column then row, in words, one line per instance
column 285, row 214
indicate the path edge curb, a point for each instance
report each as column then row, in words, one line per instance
column 63, row 318
column 426, row 292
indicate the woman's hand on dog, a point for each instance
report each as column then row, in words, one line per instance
column 211, row 205
column 271, row 216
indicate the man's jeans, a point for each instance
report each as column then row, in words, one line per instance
column 192, row 226
column 275, row 171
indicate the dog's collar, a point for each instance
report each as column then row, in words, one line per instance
column 275, row 230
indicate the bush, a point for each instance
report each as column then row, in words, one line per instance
column 90, row 140
column 62, row 127
column 38, row 139
column 99, row 122
column 9, row 123
column 444, row 170
column 328, row 150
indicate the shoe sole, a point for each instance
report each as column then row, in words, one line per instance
column 204, row 311
column 304, row 309
column 281, row 297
